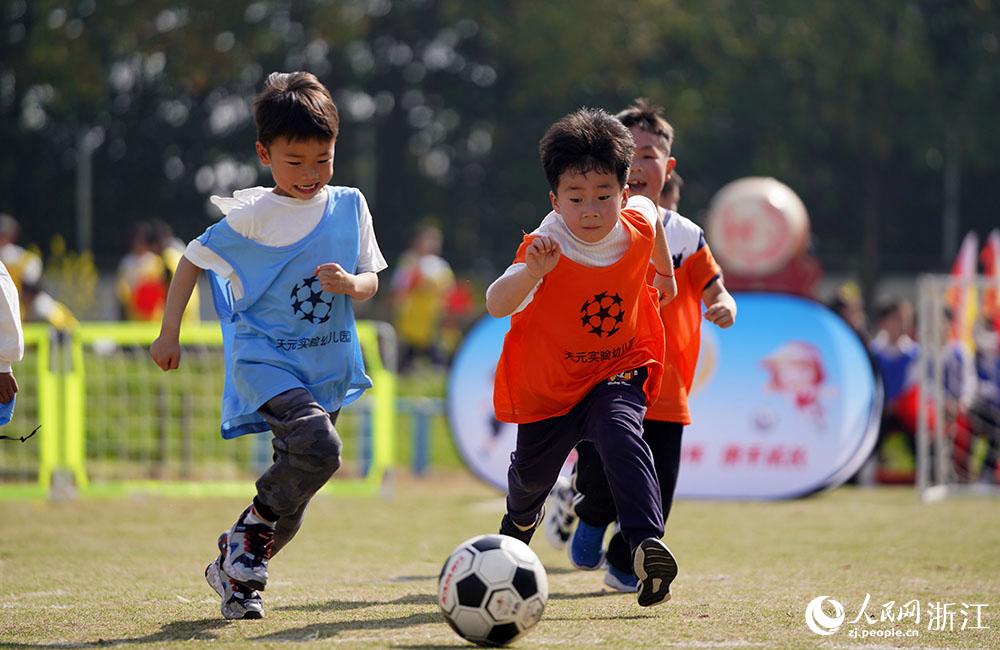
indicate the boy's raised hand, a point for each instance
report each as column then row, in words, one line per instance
column 541, row 256
column 334, row 279
column 166, row 352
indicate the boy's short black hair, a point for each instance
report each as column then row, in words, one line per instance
column 649, row 118
column 296, row 106
column 586, row 140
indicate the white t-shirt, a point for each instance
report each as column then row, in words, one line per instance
column 598, row 254
column 259, row 214
column 11, row 338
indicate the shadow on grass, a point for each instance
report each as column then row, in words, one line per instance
column 199, row 630
column 411, row 578
column 587, row 594
column 318, row 631
column 203, row 630
column 560, row 570
column 587, row 617
column 346, row 605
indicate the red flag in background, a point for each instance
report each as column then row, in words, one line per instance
column 962, row 298
column 989, row 257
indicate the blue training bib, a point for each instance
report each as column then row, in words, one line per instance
column 285, row 332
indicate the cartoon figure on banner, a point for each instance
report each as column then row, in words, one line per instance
column 796, row 371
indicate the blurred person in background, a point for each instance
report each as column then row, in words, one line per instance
column 170, row 250
column 23, row 265
column 670, row 197
column 850, row 306
column 893, row 349
column 25, row 270
column 460, row 311
column 984, row 412
column 140, row 285
column 419, row 290
column 895, row 355
column 43, row 308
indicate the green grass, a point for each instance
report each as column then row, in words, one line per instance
column 362, row 573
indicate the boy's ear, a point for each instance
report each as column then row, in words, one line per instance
column 554, row 200
column 263, row 155
column 625, row 196
column 671, row 164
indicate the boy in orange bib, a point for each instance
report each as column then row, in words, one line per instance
column 583, row 354
column 699, row 280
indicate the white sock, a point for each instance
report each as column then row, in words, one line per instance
column 253, row 518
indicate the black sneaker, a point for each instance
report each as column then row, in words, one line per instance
column 509, row 528
column 656, row 568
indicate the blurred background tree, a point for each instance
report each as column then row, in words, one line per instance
column 881, row 116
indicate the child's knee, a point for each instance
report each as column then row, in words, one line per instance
column 326, row 452
column 318, row 449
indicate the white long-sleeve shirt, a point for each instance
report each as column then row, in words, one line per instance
column 11, row 337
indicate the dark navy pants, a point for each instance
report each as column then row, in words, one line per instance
column 609, row 416
column 594, row 503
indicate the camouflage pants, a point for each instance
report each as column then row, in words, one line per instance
column 306, row 454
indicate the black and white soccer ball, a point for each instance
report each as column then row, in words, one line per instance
column 492, row 589
column 310, row 302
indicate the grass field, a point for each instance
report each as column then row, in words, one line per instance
column 362, row 573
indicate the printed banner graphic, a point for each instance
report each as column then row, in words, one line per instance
column 784, row 403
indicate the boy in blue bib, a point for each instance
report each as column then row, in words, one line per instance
column 285, row 265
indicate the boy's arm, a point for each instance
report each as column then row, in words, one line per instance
column 334, row 279
column 507, row 293
column 166, row 349
column 11, row 338
column 663, row 265
column 721, row 306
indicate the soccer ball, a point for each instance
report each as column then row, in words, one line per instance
column 492, row 589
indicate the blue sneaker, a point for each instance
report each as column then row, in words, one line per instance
column 586, row 548
column 621, row 580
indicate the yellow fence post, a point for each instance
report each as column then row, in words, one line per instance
column 383, row 396
column 49, row 435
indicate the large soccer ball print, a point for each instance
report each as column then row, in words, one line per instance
column 310, row 302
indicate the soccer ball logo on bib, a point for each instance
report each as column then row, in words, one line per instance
column 603, row 314
column 310, row 302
